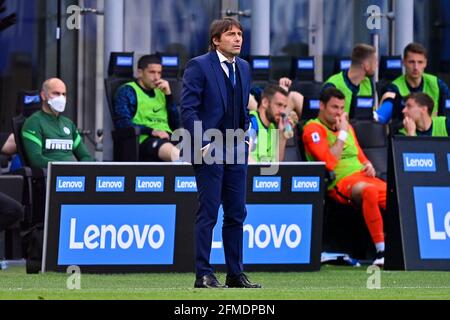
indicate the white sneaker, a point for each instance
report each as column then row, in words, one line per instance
column 379, row 259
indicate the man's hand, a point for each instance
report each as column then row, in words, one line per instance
column 369, row 170
column 293, row 118
column 389, row 95
column 285, row 83
column 280, row 126
column 410, row 126
column 164, row 86
column 342, row 122
column 160, row 134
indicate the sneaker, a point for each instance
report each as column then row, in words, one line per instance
column 379, row 259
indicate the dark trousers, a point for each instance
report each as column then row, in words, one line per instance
column 220, row 184
column 11, row 211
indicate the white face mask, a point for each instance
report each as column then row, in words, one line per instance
column 58, row 104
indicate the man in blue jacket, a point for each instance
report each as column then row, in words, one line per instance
column 216, row 89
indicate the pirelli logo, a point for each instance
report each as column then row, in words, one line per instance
column 53, row 144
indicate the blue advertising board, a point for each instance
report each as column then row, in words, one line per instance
column 109, row 218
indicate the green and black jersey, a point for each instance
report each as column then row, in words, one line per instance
column 48, row 138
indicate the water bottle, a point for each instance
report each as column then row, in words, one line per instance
column 288, row 132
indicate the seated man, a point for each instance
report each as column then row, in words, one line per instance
column 11, row 211
column 295, row 99
column 267, row 141
column 415, row 60
column 418, row 120
column 355, row 83
column 47, row 135
column 331, row 139
column 147, row 103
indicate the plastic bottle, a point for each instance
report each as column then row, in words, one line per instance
column 288, row 132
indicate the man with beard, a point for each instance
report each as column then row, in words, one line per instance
column 267, row 143
column 331, row 139
column 355, row 83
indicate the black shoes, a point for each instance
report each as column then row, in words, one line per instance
column 208, row 282
column 241, row 281
column 379, row 259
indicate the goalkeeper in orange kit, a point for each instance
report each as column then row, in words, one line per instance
column 331, row 139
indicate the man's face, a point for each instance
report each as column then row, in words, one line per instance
column 371, row 65
column 276, row 107
column 414, row 111
column 150, row 75
column 56, row 88
column 415, row 64
column 230, row 42
column 332, row 111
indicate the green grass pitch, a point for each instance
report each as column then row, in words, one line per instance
column 331, row 282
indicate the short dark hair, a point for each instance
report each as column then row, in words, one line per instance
column 331, row 92
column 415, row 48
column 423, row 100
column 361, row 52
column 219, row 27
column 272, row 89
column 144, row 61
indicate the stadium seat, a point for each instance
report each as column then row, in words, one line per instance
column 261, row 66
column 342, row 64
column 362, row 107
column 28, row 102
column 172, row 73
column 125, row 140
column 444, row 108
column 292, row 151
column 373, row 139
column 391, row 67
column 171, row 66
column 311, row 92
column 300, row 145
column 280, row 67
column 34, row 178
column 3, row 162
column 304, row 69
column 12, row 186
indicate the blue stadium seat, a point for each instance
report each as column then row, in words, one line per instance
column 125, row 140
column 373, row 139
column 311, row 92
